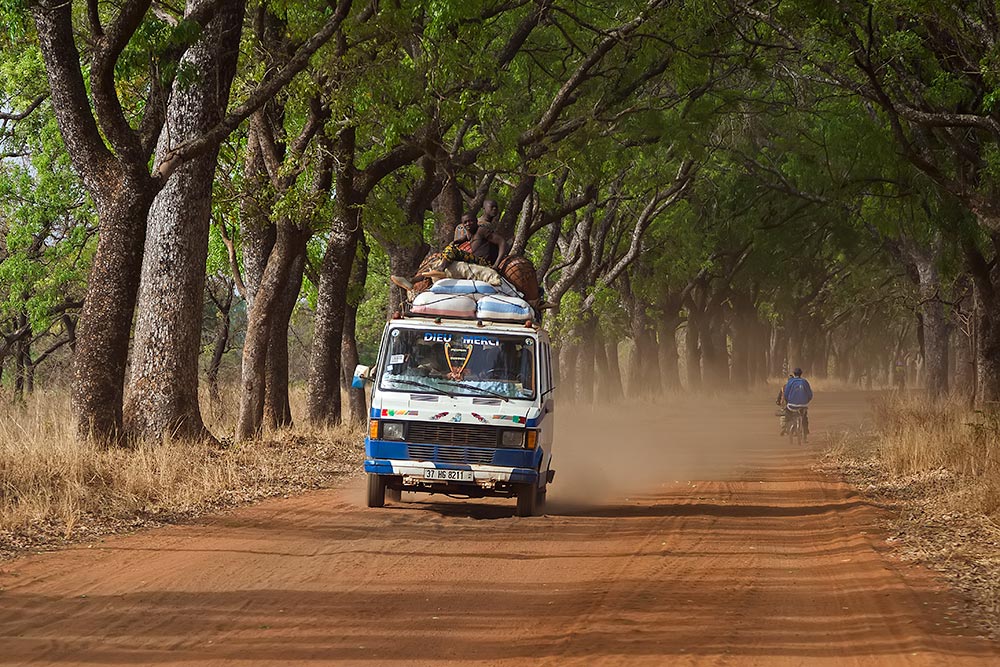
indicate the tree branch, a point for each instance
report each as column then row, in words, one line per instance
column 267, row 89
column 54, row 26
column 106, row 51
column 234, row 263
column 27, row 112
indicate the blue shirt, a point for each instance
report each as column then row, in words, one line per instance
column 797, row 391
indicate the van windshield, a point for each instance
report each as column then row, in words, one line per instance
column 460, row 363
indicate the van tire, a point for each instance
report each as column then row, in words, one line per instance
column 529, row 500
column 376, row 490
column 394, row 495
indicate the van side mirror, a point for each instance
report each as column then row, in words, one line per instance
column 361, row 373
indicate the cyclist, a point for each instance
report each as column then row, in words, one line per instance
column 796, row 395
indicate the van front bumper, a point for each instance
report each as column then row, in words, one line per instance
column 483, row 475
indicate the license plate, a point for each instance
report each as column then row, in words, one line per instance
column 442, row 475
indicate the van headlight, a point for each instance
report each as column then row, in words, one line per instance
column 392, row 430
column 512, row 439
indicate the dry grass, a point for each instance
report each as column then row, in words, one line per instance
column 935, row 465
column 53, row 488
column 910, row 436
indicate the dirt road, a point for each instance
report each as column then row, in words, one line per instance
column 640, row 562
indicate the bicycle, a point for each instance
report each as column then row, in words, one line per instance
column 795, row 425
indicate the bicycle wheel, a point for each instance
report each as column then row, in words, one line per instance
column 795, row 430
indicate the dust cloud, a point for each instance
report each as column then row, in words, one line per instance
column 605, row 453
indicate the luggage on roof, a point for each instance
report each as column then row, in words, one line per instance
column 444, row 305
column 460, row 286
column 503, row 308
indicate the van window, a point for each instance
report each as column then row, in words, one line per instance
column 460, row 363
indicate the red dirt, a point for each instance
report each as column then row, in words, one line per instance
column 767, row 564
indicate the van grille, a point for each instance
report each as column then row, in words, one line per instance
column 446, row 454
column 465, row 435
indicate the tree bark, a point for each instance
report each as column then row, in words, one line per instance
column 447, row 207
column 965, row 364
column 257, row 230
column 693, row 352
column 759, row 352
column 277, row 404
column 403, row 261
column 669, row 320
column 221, row 341
column 261, row 323
column 934, row 324
column 567, row 371
column 22, row 359
column 644, row 365
column 162, row 395
column 987, row 346
column 602, row 392
column 105, row 323
column 616, row 390
column 779, row 352
column 667, row 348
column 587, row 331
column 358, row 405
column 323, row 394
column 744, row 321
column 711, row 333
column 795, row 346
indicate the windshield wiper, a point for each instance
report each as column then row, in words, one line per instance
column 414, row 383
column 463, row 385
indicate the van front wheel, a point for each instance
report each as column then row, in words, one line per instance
column 376, row 490
column 529, row 500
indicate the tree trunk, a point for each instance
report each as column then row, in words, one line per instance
column 349, row 352
column 779, row 353
column 638, row 372
column 934, row 323
column 277, row 405
column 744, row 322
column 616, row 391
column 669, row 304
column 795, row 357
column 602, row 392
column 22, row 360
column 162, row 396
column 105, row 322
column 693, row 352
column 263, row 320
column 220, row 343
column 987, row 351
column 821, row 359
column 122, row 192
column 403, row 261
column 323, row 393
column 759, row 352
column 257, row 230
column 29, row 374
column 447, row 207
column 667, row 348
column 585, row 359
column 965, row 364
column 567, row 371
column 713, row 346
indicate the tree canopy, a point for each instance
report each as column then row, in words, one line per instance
column 712, row 192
